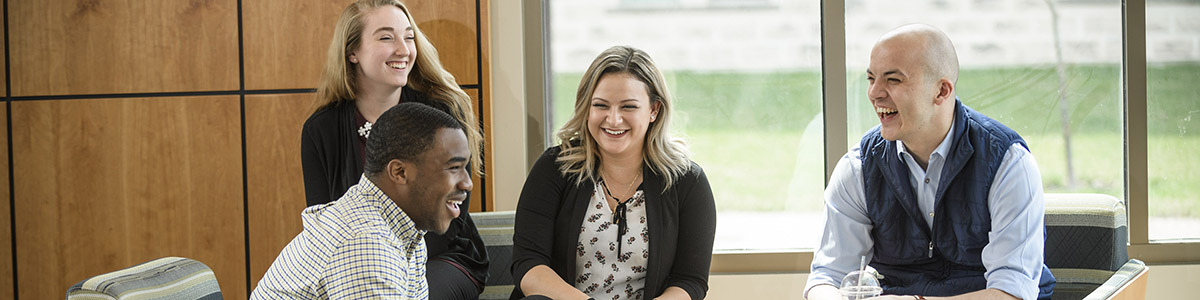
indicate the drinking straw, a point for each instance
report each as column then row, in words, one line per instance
column 862, row 270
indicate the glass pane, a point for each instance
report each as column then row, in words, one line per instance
column 1173, row 118
column 648, row 4
column 747, row 85
column 1011, row 70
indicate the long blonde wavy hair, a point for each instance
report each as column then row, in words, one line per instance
column 580, row 157
column 339, row 80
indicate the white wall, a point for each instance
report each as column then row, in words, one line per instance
column 757, row 286
column 508, row 102
column 1172, row 281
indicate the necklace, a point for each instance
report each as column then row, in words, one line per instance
column 627, row 188
column 365, row 130
column 619, row 210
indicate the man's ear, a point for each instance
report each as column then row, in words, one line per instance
column 945, row 91
column 398, row 171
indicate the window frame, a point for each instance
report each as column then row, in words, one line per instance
column 833, row 68
column 1137, row 199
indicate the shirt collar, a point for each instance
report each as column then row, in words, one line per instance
column 940, row 151
column 397, row 220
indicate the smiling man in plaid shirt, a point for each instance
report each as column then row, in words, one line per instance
column 369, row 243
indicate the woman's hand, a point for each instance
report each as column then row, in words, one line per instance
column 674, row 293
column 541, row 280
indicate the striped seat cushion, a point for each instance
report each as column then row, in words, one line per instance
column 163, row 278
column 1085, row 241
column 1085, row 231
column 496, row 229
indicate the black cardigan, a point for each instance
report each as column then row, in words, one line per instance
column 331, row 159
column 682, row 222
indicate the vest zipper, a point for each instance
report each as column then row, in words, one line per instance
column 931, row 249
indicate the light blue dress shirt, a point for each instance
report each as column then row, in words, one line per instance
column 1013, row 255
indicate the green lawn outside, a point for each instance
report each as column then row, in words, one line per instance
column 748, row 130
column 761, row 171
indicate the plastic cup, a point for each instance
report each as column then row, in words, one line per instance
column 860, row 285
column 860, row 292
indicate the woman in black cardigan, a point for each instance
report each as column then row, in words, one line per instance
column 374, row 63
column 617, row 211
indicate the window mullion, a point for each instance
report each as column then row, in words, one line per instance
column 833, row 81
column 1134, row 75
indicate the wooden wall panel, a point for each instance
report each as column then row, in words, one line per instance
column 480, row 190
column 109, row 183
column 6, row 273
column 485, row 106
column 106, row 184
column 276, row 182
column 450, row 25
column 122, row 46
column 3, row 65
column 285, row 41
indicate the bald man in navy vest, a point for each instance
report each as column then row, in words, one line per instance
column 940, row 199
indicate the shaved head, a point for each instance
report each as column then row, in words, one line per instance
column 929, row 45
column 911, row 78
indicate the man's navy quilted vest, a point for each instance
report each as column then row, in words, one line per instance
column 945, row 261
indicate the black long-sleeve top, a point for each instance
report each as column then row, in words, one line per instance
column 681, row 220
column 331, row 157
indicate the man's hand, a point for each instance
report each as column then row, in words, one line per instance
column 823, row 292
column 985, row 294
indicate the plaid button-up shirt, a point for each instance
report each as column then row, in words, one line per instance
column 360, row 246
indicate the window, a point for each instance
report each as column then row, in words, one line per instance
column 1173, row 118
column 723, row 5
column 748, row 78
column 1011, row 69
column 648, row 4
column 747, row 88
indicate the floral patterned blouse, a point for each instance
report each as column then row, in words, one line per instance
column 602, row 272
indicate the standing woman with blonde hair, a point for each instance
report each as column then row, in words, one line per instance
column 617, row 210
column 379, row 58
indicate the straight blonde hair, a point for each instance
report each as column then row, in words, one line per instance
column 339, row 80
column 579, row 156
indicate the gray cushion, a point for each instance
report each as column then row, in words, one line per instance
column 1085, row 231
column 173, row 278
column 1086, row 245
column 496, row 229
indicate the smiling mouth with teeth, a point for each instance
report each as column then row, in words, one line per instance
column 454, row 206
column 885, row 111
column 400, row 65
column 615, row 132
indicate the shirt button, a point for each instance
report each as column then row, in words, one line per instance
column 926, row 180
column 931, row 214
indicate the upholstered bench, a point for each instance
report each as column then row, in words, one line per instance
column 174, row 278
column 1086, row 236
column 496, row 229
